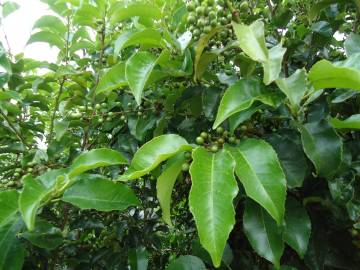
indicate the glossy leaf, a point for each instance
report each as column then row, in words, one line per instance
column 142, row 10
column 49, row 22
column 94, row 159
column 344, row 74
column 12, row 252
column 240, row 117
column 272, row 66
column 9, row 205
column 112, row 79
column 298, row 227
column 294, row 87
column 138, row 259
column 186, row 262
column 353, row 122
column 323, row 147
column 31, row 197
column 137, row 72
column 263, row 234
column 352, row 44
column 211, row 199
column 259, row 170
column 60, row 128
column 100, row 194
column 48, row 37
column 8, row 8
column 165, row 184
column 152, row 153
column 241, row 95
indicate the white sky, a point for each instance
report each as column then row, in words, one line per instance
column 18, row 28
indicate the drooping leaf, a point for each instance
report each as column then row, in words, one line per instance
column 343, row 74
column 241, row 95
column 100, row 194
column 165, row 184
column 48, row 37
column 259, row 170
column 263, row 234
column 210, row 101
column 298, row 227
column 138, row 259
column 353, row 122
column 112, row 79
column 134, row 9
column 49, row 22
column 12, row 252
column 352, row 44
column 240, row 117
column 323, row 147
column 186, row 262
column 9, row 7
column 294, row 87
column 94, row 159
column 9, row 205
column 31, row 197
column 211, row 199
column 137, row 72
column 152, row 153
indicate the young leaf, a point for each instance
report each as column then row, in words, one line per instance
column 165, row 184
column 343, row 74
column 211, row 199
column 137, row 72
column 112, row 79
column 272, row 66
column 263, row 234
column 9, row 205
column 294, row 87
column 47, row 37
column 259, row 170
column 241, row 95
column 298, row 227
column 49, row 22
column 152, row 153
column 186, row 262
column 94, row 159
column 142, row 10
column 33, row 193
column 12, row 252
column 353, row 122
column 100, row 194
column 323, row 147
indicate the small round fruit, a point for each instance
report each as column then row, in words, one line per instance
column 191, row 20
column 213, row 23
column 243, row 128
column 212, row 15
column 75, row 115
column 200, row 22
column 214, row 148
column 81, row 108
column 204, row 134
column 16, row 174
column 232, row 139
column 18, row 170
column 101, row 120
column 223, row 21
column 129, row 104
column 103, row 105
column 123, row 118
column 244, row 6
column 90, row 108
column 187, row 155
column 196, row 32
column 98, row 106
column 220, row 130
column 110, row 113
column 108, row 119
column 221, row 141
column 185, row 167
column 200, row 10
column 207, row 29
column 200, row 140
column 30, row 170
column 139, row 113
column 190, row 7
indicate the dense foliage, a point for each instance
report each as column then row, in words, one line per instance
column 176, row 134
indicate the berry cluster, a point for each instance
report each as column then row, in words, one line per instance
column 204, row 15
column 213, row 142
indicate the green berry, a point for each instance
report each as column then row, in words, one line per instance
column 81, row 108
column 191, row 20
column 16, row 174
column 200, row 10
column 30, row 170
column 100, row 120
column 196, row 32
column 203, row 134
column 200, row 140
column 200, row 22
column 212, row 15
column 232, row 139
column 103, row 105
column 244, row 6
column 185, row 167
column 139, row 113
column 207, row 29
column 214, row 148
column 110, row 113
column 18, row 170
column 123, row 118
column 213, row 23
column 190, row 7
column 98, row 106
column 220, row 141
column 220, row 130
column 187, row 155
column 108, row 119
column 243, row 128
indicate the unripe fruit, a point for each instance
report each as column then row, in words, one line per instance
column 98, row 106
column 191, row 20
column 139, row 113
column 123, row 118
column 200, row 140
column 18, row 170
column 220, row 130
column 30, row 170
column 220, row 141
column 16, row 174
column 103, row 105
column 214, row 148
column 200, row 10
column 232, row 139
column 207, row 29
column 110, row 114
column 243, row 128
column 196, row 32
column 187, row 155
column 212, row 15
column 244, row 6
column 81, row 108
column 108, row 119
column 185, row 167
column 190, row 7
column 200, row 22
column 75, row 115
column 204, row 134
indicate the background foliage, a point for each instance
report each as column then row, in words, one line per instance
column 183, row 135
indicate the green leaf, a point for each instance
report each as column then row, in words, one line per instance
column 211, row 199
column 343, row 74
column 49, row 22
column 353, row 122
column 152, row 153
column 47, row 37
column 112, row 79
column 9, row 205
column 323, row 147
column 45, row 235
column 9, row 7
column 165, row 184
column 100, row 194
column 142, row 10
column 263, row 234
column 272, row 67
column 137, row 72
column 252, row 40
column 292, row 157
column 294, row 87
column 149, row 37
column 241, row 95
column 210, row 101
column 259, row 170
column 240, row 117
column 12, row 252
column 138, row 259
column 94, row 159
column 314, row 11
column 60, row 128
column 31, row 197
column 352, row 44
column 298, row 227
column 186, row 262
